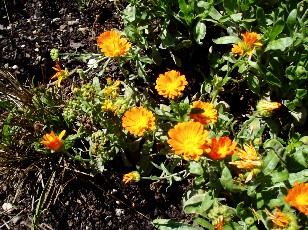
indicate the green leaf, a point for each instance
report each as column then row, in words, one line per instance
column 291, row 21
column 227, row 40
column 261, row 17
column 230, row 6
column 277, row 177
column 195, row 168
column 272, row 79
column 279, row 44
column 253, row 83
column 299, row 159
column 198, row 204
column 227, row 181
column 167, row 224
column 200, row 32
column 277, row 29
column 236, row 17
column 271, row 160
column 204, row 223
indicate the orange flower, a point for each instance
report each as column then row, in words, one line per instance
column 279, row 218
column 53, row 141
column 137, row 120
column 219, row 223
column 249, row 158
column 265, row 108
column 189, row 139
column 60, row 75
column 249, row 44
column 171, row 84
column 298, row 197
column 237, row 48
column 208, row 114
column 112, row 45
column 221, row 148
column 133, row 176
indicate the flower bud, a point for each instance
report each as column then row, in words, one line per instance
column 265, row 108
column 54, row 54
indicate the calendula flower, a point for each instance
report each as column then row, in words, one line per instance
column 112, row 44
column 137, row 120
column 52, row 141
column 189, row 139
column 60, row 75
column 221, row 148
column 279, row 218
column 298, row 197
column 265, row 108
column 171, row 84
column 207, row 114
column 219, row 223
column 249, row 158
column 251, row 41
column 133, row 176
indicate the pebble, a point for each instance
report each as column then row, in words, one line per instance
column 16, row 219
column 7, row 206
column 119, row 211
column 15, row 67
column 72, row 23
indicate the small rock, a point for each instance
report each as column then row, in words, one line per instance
column 7, row 206
column 28, row 55
column 108, row 218
column 72, row 23
column 36, row 49
column 22, row 46
column 62, row 27
column 16, row 219
column 55, row 19
column 119, row 211
column 15, row 67
column 83, row 30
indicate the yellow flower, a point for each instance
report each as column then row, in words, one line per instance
column 265, row 108
column 249, row 158
column 189, row 139
column 60, row 75
column 53, row 141
column 251, row 41
column 279, row 218
column 237, row 48
column 133, row 176
column 137, row 120
column 298, row 197
column 221, row 148
column 112, row 45
column 171, row 84
column 208, row 114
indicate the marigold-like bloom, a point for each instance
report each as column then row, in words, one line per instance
column 222, row 148
column 298, row 197
column 251, row 41
column 189, row 139
column 265, row 108
column 60, row 75
column 133, row 176
column 219, row 223
column 249, row 158
column 279, row 218
column 207, row 115
column 52, row 141
column 137, row 120
column 171, row 84
column 112, row 45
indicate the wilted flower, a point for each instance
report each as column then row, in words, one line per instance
column 279, row 218
column 221, row 148
column 249, row 159
column 60, row 75
column 189, row 139
column 219, row 223
column 265, row 108
column 112, row 45
column 298, row 197
column 207, row 113
column 248, row 45
column 52, row 141
column 137, row 120
column 171, row 84
column 133, row 176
